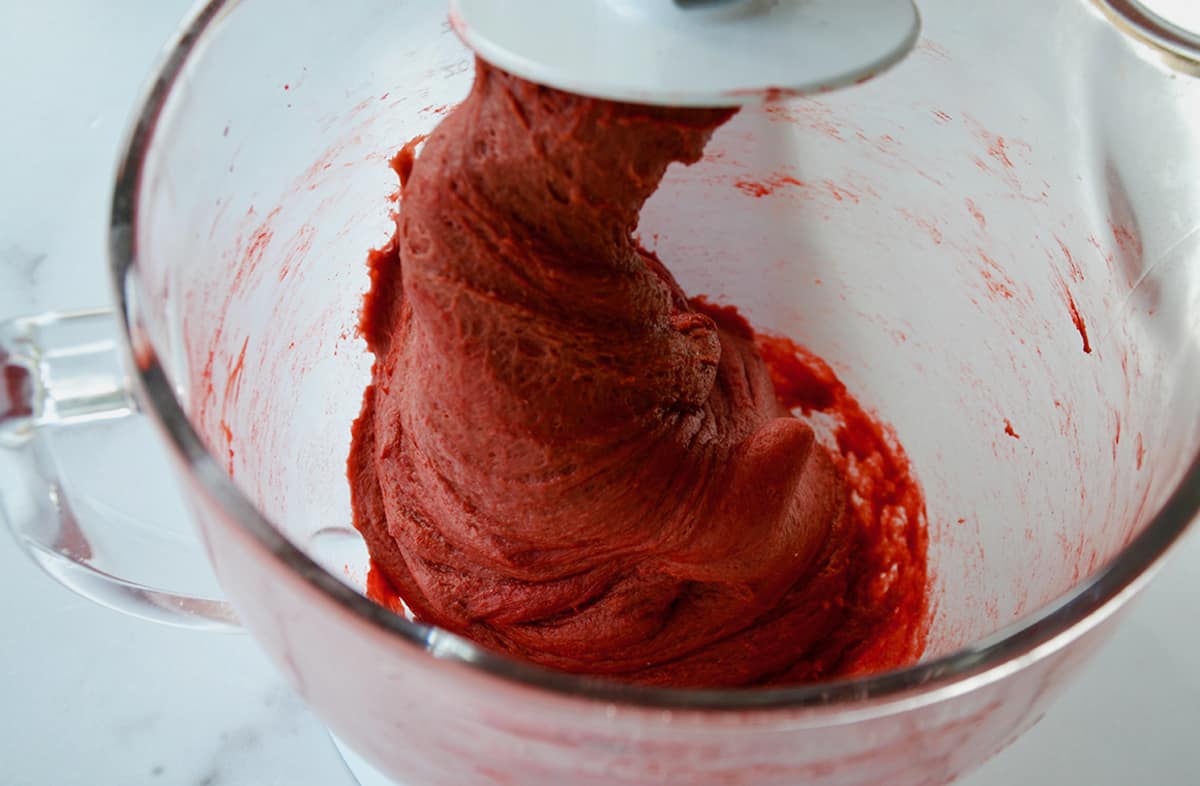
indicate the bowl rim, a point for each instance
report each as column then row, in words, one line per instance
column 1013, row 648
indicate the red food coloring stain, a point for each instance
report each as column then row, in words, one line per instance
column 977, row 214
column 1127, row 240
column 772, row 95
column 1117, row 434
column 776, row 94
column 942, row 117
column 1009, row 430
column 931, row 228
column 753, row 188
column 1141, row 450
column 300, row 245
column 813, row 114
column 759, row 189
column 1094, row 243
column 384, row 97
column 233, row 384
column 1077, row 318
column 258, row 247
column 225, row 132
column 993, row 275
column 841, row 194
column 287, row 87
column 227, row 435
column 999, row 151
column 1072, row 265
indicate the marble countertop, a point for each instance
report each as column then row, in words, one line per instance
column 88, row 696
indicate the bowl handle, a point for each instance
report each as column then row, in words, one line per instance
column 67, row 421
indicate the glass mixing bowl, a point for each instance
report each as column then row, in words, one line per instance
column 996, row 245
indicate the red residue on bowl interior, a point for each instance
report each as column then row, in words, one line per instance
column 980, row 164
column 1073, row 310
column 298, row 248
column 942, row 117
column 1077, row 318
column 816, row 115
column 1127, row 239
column 770, row 95
column 1009, row 430
column 998, row 150
column 977, row 214
column 1094, row 242
column 841, row 193
column 1141, row 450
column 259, row 240
column 998, row 283
column 930, row 227
column 762, row 188
column 233, row 384
column 1072, row 265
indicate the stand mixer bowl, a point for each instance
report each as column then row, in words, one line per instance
column 994, row 245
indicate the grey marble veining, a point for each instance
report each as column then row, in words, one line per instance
column 21, row 267
column 93, row 697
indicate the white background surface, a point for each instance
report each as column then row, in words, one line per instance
column 90, row 697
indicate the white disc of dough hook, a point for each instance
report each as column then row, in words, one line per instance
column 689, row 52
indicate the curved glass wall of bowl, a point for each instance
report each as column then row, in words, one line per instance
column 1172, row 26
column 690, row 52
column 1184, row 14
